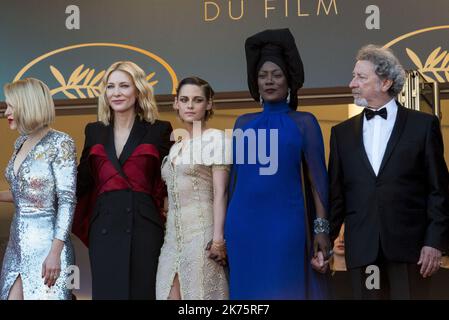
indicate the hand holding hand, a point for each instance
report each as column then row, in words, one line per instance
column 318, row 263
column 321, row 243
column 429, row 261
column 217, row 252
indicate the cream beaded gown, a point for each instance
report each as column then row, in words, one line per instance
column 187, row 171
column 44, row 197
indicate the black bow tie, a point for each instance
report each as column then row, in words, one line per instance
column 369, row 114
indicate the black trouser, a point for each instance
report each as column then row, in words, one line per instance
column 398, row 281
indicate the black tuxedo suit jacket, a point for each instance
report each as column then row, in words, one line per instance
column 404, row 207
column 123, row 226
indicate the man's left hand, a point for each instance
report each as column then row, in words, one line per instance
column 429, row 261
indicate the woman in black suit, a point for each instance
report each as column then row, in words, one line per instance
column 120, row 191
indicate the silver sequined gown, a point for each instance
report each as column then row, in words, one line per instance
column 44, row 198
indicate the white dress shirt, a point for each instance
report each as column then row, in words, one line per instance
column 377, row 132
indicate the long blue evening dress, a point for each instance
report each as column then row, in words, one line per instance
column 268, row 230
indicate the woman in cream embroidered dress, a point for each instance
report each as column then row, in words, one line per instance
column 193, row 256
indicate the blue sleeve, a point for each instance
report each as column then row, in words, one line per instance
column 313, row 155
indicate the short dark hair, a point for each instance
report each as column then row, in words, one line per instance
column 204, row 85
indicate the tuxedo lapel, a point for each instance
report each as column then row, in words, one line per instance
column 136, row 135
column 358, row 133
column 395, row 135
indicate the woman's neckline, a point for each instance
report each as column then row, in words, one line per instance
column 276, row 107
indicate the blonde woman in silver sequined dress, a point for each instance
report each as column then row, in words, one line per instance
column 42, row 177
column 193, row 256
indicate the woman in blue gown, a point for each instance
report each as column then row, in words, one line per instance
column 276, row 229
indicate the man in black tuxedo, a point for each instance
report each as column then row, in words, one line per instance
column 389, row 183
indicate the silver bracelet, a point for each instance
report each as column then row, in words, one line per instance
column 320, row 225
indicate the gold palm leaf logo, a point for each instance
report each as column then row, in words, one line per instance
column 437, row 64
column 151, row 76
column 84, row 83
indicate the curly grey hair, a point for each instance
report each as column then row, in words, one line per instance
column 386, row 66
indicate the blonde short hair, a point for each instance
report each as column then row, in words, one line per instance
column 33, row 107
column 145, row 106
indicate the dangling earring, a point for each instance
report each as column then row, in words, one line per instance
column 260, row 100
column 288, row 96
